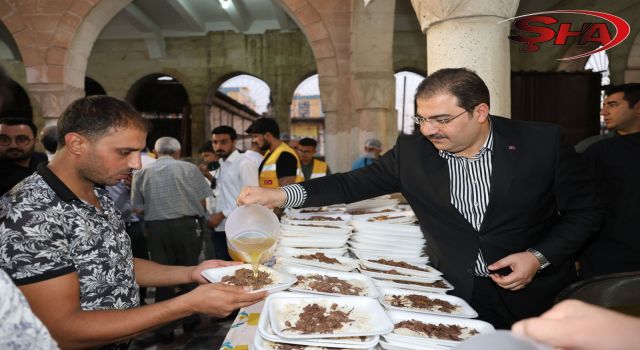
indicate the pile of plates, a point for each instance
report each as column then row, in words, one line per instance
column 280, row 314
column 375, row 239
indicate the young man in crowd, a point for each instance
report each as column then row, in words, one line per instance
column 311, row 167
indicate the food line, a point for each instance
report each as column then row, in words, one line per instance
column 350, row 287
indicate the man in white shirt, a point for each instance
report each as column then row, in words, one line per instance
column 236, row 172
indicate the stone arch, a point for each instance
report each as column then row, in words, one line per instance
column 225, row 77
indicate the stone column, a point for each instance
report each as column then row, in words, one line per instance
column 463, row 33
column 52, row 99
column 337, row 124
column 373, row 84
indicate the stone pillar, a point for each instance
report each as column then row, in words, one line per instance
column 337, row 123
column 468, row 34
column 372, row 83
column 52, row 99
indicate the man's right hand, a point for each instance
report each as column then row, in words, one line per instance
column 268, row 197
column 220, row 300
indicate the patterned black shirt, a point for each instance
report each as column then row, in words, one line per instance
column 46, row 231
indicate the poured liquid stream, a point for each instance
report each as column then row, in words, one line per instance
column 252, row 248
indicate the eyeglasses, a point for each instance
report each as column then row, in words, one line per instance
column 439, row 121
column 21, row 140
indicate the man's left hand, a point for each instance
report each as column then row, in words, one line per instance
column 215, row 220
column 523, row 266
column 196, row 271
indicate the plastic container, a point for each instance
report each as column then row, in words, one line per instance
column 252, row 230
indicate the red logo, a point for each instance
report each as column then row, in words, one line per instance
column 268, row 182
column 539, row 24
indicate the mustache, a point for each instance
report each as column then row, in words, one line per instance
column 14, row 150
column 436, row 137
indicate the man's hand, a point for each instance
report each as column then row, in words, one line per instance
column 573, row 324
column 205, row 171
column 523, row 266
column 268, row 197
column 196, row 271
column 215, row 220
column 219, row 300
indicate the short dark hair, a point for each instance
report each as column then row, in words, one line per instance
column 225, row 129
column 93, row 116
column 631, row 92
column 206, row 147
column 264, row 125
column 50, row 138
column 20, row 121
column 462, row 83
column 307, row 141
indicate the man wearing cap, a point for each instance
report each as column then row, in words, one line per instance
column 372, row 148
column 281, row 165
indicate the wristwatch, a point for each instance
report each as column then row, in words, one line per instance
column 541, row 259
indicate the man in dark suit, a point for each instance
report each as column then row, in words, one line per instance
column 504, row 205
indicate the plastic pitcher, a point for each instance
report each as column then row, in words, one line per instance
column 252, row 232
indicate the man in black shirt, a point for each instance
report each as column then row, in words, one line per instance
column 616, row 247
column 17, row 157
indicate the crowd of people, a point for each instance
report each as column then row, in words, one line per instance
column 511, row 213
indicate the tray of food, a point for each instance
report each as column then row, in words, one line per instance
column 400, row 266
column 327, row 317
column 290, row 251
column 415, row 328
column 440, row 286
column 425, row 302
column 267, row 279
column 266, row 332
column 320, row 281
column 322, row 261
column 395, row 275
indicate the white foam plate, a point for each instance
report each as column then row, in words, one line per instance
column 313, row 235
column 399, row 247
column 378, row 266
column 265, row 330
column 384, row 227
column 365, row 254
column 289, row 221
column 334, row 229
column 372, row 204
column 463, row 308
column 388, row 219
column 282, row 281
column 398, row 316
column 316, row 210
column 387, row 239
column 388, row 276
column 259, row 343
column 390, row 284
column 312, row 242
column 399, row 345
column 370, row 288
column 345, row 264
column 309, row 217
column 369, row 317
column 290, row 251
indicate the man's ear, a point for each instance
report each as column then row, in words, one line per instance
column 75, row 143
column 481, row 112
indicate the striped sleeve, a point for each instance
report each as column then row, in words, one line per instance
column 296, row 196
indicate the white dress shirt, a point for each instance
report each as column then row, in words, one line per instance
column 235, row 173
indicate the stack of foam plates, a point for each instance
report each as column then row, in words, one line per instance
column 338, row 263
column 379, row 203
column 370, row 321
column 324, row 236
column 404, row 338
column 332, row 210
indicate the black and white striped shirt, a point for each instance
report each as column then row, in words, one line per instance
column 470, row 180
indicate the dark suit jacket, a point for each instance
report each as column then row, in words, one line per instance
column 541, row 197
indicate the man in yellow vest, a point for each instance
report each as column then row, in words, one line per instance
column 311, row 167
column 281, row 165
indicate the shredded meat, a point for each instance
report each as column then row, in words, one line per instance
column 440, row 331
column 398, row 264
column 390, row 272
column 382, row 218
column 317, row 319
column 321, row 218
column 361, row 211
column 312, row 225
column 244, row 277
column 421, row 302
column 318, row 257
column 329, row 284
column 436, row 284
column 312, row 210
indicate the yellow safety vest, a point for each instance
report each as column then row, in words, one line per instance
column 319, row 169
column 268, row 175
